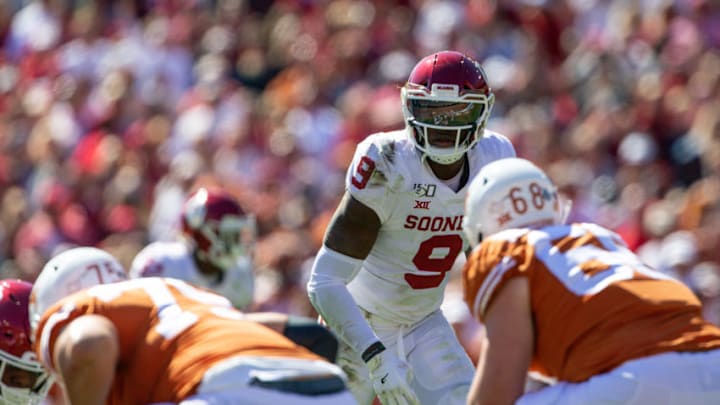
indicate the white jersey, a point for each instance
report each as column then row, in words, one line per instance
column 174, row 259
column 403, row 278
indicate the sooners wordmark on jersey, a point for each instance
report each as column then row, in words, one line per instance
column 592, row 299
column 169, row 332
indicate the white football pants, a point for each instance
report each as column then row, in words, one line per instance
column 442, row 369
column 663, row 379
column 228, row 383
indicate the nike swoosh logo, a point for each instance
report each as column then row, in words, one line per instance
column 383, row 378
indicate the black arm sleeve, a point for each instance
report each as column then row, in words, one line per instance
column 307, row 332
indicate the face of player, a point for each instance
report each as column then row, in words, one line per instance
column 443, row 138
column 455, row 119
column 19, row 378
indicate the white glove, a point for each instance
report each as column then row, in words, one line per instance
column 391, row 379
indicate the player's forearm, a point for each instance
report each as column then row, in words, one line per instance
column 488, row 388
column 339, row 310
column 329, row 295
column 87, row 383
column 86, row 356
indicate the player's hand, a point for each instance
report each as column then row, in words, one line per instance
column 391, row 379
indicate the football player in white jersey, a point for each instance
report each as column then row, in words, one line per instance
column 215, row 252
column 379, row 279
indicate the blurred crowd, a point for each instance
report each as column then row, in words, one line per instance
column 111, row 111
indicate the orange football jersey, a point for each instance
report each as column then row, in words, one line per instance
column 595, row 305
column 170, row 333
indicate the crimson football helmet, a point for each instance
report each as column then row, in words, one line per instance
column 22, row 378
column 217, row 228
column 446, row 104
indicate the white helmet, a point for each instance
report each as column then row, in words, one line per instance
column 71, row 271
column 509, row 193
